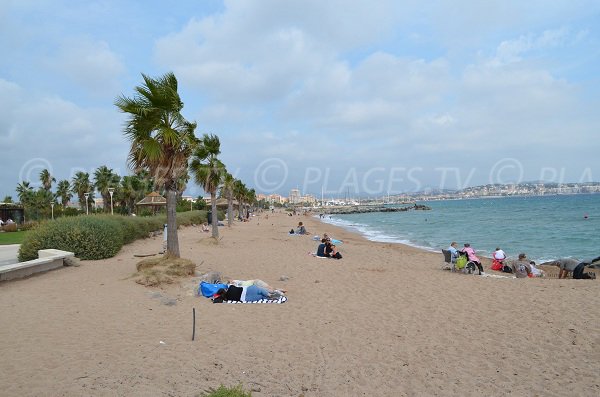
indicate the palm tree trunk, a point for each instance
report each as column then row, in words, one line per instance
column 172, row 240
column 214, row 220
column 229, row 211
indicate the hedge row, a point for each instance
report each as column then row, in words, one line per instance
column 96, row 236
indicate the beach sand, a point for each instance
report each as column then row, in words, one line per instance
column 383, row 321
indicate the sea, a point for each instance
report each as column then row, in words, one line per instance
column 543, row 227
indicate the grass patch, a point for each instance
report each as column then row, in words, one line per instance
column 7, row 238
column 223, row 391
column 154, row 272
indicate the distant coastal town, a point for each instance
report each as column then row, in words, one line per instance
column 489, row 191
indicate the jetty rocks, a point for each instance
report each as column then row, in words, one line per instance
column 360, row 209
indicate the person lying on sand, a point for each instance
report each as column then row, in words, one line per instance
column 252, row 293
column 258, row 283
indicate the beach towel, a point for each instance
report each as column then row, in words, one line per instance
column 281, row 299
column 208, row 290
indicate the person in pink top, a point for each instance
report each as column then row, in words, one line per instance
column 472, row 257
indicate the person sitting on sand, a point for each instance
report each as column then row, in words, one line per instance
column 472, row 257
column 301, row 229
column 333, row 252
column 321, row 248
column 522, row 268
column 205, row 227
column 535, row 271
column 499, row 255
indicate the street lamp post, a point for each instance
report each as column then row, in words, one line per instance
column 87, row 211
column 111, row 190
column 52, row 207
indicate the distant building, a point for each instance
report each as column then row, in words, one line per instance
column 295, row 196
column 309, row 198
column 276, row 198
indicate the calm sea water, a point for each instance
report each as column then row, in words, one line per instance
column 544, row 227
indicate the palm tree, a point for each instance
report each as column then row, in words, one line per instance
column 251, row 198
column 105, row 178
column 162, row 140
column 63, row 190
column 7, row 199
column 239, row 192
column 82, row 185
column 24, row 191
column 46, row 179
column 208, row 172
column 130, row 191
column 38, row 206
column 227, row 192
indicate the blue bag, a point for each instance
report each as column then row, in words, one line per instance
column 208, row 289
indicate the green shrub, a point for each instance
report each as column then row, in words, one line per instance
column 88, row 237
column 223, row 391
column 191, row 217
column 97, row 236
column 69, row 211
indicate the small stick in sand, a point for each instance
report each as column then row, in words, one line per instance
column 194, row 323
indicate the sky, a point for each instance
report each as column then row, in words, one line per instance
column 331, row 97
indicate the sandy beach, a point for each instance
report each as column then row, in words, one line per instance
column 383, row 321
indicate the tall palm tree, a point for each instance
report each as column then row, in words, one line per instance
column 250, row 198
column 239, row 192
column 82, row 185
column 24, row 191
column 46, row 179
column 105, row 178
column 162, row 140
column 63, row 190
column 227, row 192
column 208, row 172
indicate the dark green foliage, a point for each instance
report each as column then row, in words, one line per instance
column 88, row 237
column 191, row 218
column 97, row 236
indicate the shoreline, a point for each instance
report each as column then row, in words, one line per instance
column 544, row 237
column 382, row 321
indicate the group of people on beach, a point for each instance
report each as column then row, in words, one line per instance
column 523, row 267
column 327, row 249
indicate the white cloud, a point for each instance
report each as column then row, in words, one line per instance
column 56, row 133
column 512, row 50
column 326, row 84
column 88, row 63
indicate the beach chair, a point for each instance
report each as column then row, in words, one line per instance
column 448, row 263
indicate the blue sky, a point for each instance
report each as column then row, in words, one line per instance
column 360, row 96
